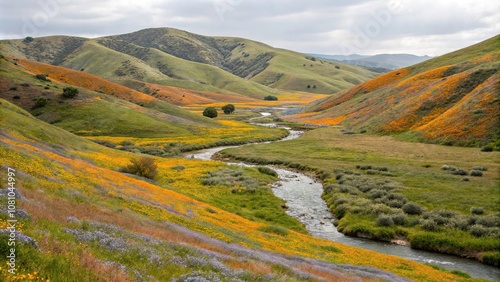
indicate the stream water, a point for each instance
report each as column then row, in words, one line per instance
column 303, row 198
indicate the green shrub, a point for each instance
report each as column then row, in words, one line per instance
column 376, row 193
column 399, row 219
column 268, row 171
column 412, row 208
column 143, row 166
column 429, row 225
column 476, row 210
column 487, row 148
column 480, row 168
column 210, row 112
column 69, row 92
column 13, row 88
column 478, row 230
column 340, row 211
column 40, row 102
column 16, row 97
column 491, row 258
column 476, row 173
column 459, row 172
column 385, row 220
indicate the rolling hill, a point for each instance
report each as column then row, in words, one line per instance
column 101, row 108
column 451, row 99
column 178, row 58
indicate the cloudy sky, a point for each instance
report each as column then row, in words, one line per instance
column 424, row 27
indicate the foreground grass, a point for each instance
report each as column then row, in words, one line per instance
column 91, row 220
column 368, row 177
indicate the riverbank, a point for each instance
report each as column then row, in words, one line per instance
column 405, row 166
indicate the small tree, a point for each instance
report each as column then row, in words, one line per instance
column 143, row 166
column 271, row 98
column 228, row 109
column 69, row 92
column 210, row 112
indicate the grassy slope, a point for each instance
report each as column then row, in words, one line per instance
column 150, row 123
column 98, row 84
column 92, row 113
column 64, row 175
column 298, row 72
column 449, row 98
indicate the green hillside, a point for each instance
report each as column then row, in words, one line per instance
column 450, row 99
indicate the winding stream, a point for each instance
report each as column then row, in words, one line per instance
column 303, row 198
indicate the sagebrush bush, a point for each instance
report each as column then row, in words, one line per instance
column 429, row 225
column 376, row 193
column 476, row 173
column 340, row 211
column 478, row 230
column 341, row 201
column 399, row 219
column 476, row 210
column 412, row 208
column 489, row 221
column 459, row 172
column 480, row 168
column 385, row 220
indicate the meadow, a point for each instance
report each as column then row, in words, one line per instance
column 369, row 179
column 89, row 220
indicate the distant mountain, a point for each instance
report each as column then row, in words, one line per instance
column 385, row 61
column 451, row 99
column 172, row 57
column 340, row 57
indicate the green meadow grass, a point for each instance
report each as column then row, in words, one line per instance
column 413, row 168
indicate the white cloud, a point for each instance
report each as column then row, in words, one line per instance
column 320, row 26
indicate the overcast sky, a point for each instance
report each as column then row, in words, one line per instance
column 424, row 27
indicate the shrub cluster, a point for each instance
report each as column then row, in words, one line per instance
column 168, row 150
column 375, row 170
column 479, row 226
column 359, row 194
column 476, row 171
column 233, row 178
